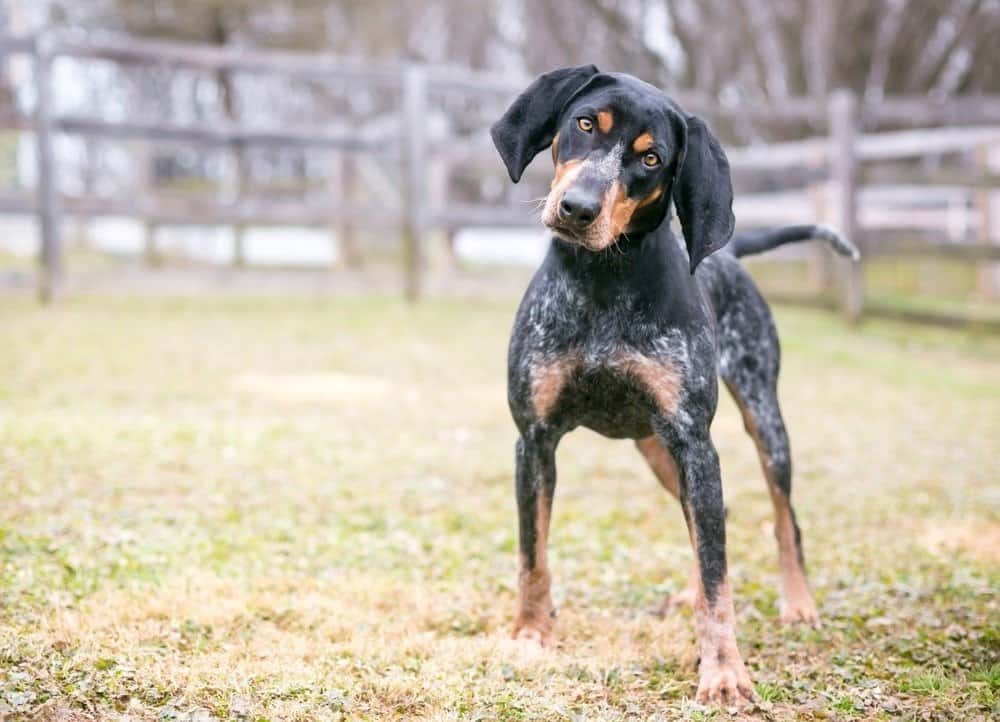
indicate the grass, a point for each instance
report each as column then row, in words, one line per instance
column 227, row 508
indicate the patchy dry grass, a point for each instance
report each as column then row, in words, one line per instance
column 303, row 509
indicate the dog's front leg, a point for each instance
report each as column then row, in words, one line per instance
column 536, row 482
column 723, row 677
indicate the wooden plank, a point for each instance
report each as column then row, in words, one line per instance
column 946, row 177
column 13, row 120
column 909, row 110
column 212, row 58
column 970, row 252
column 844, row 173
column 50, row 256
column 468, row 215
column 924, row 142
column 415, row 164
column 18, row 203
column 928, row 110
column 222, row 134
column 181, row 211
column 10, row 45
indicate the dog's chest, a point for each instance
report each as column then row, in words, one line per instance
column 608, row 384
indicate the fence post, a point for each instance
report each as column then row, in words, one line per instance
column 820, row 263
column 413, row 134
column 241, row 192
column 988, row 271
column 50, row 258
column 438, row 173
column 843, row 112
column 340, row 187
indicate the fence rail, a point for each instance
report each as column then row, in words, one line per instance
column 840, row 163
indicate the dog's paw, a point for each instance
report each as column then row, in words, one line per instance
column 725, row 683
column 683, row 598
column 676, row 601
column 534, row 635
column 800, row 609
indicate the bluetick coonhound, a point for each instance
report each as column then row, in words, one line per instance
column 624, row 333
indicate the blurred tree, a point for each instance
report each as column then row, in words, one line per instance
column 765, row 49
column 734, row 51
column 773, row 49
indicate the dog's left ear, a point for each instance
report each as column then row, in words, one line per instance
column 529, row 125
column 703, row 193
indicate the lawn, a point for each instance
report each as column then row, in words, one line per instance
column 250, row 509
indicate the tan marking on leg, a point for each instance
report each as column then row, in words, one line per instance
column 605, row 121
column 547, row 382
column 665, row 468
column 660, row 378
column 723, row 677
column 533, row 622
column 643, row 143
column 662, row 463
column 797, row 603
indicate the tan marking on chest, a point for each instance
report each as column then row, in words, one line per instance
column 643, row 143
column 605, row 121
column 548, row 381
column 660, row 378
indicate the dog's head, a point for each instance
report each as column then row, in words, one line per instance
column 622, row 151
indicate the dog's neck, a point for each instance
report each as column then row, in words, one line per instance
column 628, row 253
column 646, row 269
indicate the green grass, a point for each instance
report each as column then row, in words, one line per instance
column 227, row 508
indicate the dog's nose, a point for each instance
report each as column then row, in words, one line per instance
column 579, row 208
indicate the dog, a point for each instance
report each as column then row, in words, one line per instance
column 622, row 332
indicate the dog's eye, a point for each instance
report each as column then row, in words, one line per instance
column 651, row 160
column 585, row 124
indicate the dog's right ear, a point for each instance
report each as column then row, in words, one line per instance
column 529, row 125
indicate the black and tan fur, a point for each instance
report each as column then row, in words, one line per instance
column 624, row 331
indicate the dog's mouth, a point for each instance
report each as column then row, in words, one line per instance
column 566, row 233
column 570, row 235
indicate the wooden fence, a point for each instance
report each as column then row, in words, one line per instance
column 840, row 164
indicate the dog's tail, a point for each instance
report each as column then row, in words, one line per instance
column 748, row 243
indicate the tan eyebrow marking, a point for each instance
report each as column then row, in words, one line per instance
column 643, row 143
column 605, row 121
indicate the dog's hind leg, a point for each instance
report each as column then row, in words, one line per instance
column 749, row 362
column 665, row 469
